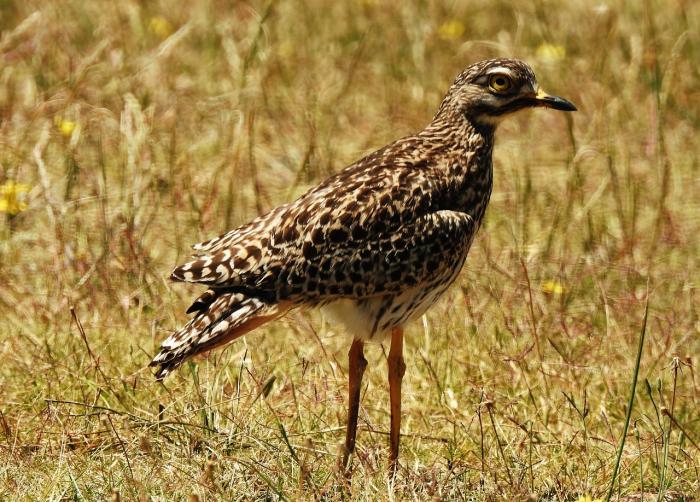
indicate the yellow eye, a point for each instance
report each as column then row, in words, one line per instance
column 500, row 83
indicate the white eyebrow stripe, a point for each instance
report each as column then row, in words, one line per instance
column 500, row 69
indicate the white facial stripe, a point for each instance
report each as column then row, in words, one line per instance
column 502, row 70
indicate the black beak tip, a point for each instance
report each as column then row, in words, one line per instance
column 559, row 103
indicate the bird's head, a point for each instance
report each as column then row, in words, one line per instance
column 487, row 91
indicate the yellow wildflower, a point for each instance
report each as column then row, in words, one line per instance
column 160, row 27
column 451, row 30
column 550, row 53
column 12, row 197
column 65, row 127
column 553, row 288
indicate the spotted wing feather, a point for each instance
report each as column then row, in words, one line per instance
column 318, row 223
column 417, row 253
column 228, row 316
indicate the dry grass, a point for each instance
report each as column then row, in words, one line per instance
column 140, row 128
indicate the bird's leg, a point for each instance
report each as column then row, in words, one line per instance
column 397, row 368
column 357, row 364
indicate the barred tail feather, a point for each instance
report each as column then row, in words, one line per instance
column 230, row 316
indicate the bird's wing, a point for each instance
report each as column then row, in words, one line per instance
column 370, row 217
column 422, row 252
column 356, row 206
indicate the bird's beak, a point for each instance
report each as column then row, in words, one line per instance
column 555, row 102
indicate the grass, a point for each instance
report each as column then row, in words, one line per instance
column 133, row 129
column 628, row 416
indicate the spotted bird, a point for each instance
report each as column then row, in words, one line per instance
column 374, row 246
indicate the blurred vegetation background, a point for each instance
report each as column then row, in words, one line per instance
column 129, row 130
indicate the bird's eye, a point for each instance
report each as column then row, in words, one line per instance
column 500, row 83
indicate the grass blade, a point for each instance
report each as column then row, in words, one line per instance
column 630, row 403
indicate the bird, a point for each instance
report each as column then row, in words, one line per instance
column 374, row 246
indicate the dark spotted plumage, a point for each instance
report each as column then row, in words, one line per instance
column 376, row 244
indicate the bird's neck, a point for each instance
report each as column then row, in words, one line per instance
column 468, row 173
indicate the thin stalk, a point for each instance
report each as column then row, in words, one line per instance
column 481, row 435
column 489, row 405
column 667, row 440
column 532, row 477
column 630, row 403
column 641, row 460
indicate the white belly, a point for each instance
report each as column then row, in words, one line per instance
column 373, row 319
column 357, row 320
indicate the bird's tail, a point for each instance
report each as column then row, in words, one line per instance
column 220, row 318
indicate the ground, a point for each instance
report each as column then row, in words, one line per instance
column 130, row 130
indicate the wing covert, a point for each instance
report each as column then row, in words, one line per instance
column 419, row 252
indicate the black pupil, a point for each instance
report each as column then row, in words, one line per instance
column 501, row 82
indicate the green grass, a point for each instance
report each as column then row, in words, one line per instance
column 140, row 128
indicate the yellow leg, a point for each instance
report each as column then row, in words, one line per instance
column 357, row 365
column 397, row 368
